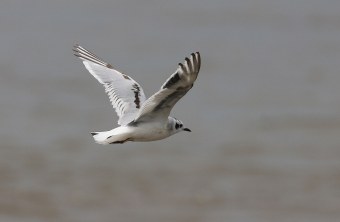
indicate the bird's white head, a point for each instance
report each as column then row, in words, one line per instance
column 177, row 125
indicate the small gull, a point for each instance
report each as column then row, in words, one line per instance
column 140, row 119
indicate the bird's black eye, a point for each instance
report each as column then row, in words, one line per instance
column 177, row 125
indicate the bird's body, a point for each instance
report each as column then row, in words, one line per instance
column 143, row 132
column 141, row 119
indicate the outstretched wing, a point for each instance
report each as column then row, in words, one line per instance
column 125, row 94
column 175, row 87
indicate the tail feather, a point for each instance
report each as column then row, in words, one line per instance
column 108, row 137
column 101, row 137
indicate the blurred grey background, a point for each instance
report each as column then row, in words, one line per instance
column 265, row 112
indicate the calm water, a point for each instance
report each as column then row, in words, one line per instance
column 265, row 112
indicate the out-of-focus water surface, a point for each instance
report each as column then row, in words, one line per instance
column 265, row 112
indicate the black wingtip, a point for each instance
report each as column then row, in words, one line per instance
column 93, row 134
column 76, row 47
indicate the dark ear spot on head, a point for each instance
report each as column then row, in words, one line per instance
column 177, row 125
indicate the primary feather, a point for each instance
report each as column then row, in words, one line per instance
column 125, row 94
column 175, row 87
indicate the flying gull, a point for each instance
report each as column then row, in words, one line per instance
column 140, row 119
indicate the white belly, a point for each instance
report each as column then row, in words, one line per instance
column 148, row 133
column 143, row 132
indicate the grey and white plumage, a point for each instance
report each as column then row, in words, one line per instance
column 140, row 119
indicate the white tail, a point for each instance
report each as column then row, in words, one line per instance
column 108, row 137
column 101, row 137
